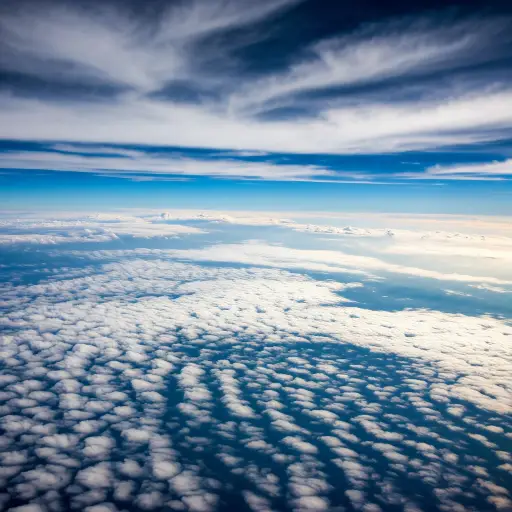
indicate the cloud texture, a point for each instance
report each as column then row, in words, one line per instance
column 133, row 379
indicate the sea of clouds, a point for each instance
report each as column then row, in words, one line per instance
column 243, row 375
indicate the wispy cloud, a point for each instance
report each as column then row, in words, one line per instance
column 475, row 171
column 149, row 164
column 369, row 128
column 128, row 162
column 483, row 171
column 108, row 45
column 194, row 46
column 373, row 54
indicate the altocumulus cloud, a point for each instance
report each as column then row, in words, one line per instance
column 136, row 380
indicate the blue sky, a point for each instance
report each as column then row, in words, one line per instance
column 280, row 104
column 43, row 190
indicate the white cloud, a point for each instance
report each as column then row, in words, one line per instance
column 145, row 163
column 99, row 228
column 164, row 470
column 311, row 503
column 131, row 468
column 373, row 54
column 98, row 446
column 490, row 288
column 135, row 435
column 102, row 507
column 29, row 508
column 317, row 260
column 95, row 477
column 481, row 170
column 300, row 445
column 217, row 341
column 432, row 250
column 110, row 48
column 372, row 128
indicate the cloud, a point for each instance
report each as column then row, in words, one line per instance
column 490, row 288
column 311, row 503
column 262, row 375
column 133, row 164
column 97, row 476
column 300, row 445
column 481, row 171
column 108, row 45
column 164, row 470
column 369, row 128
column 99, row 228
column 207, row 306
column 472, row 240
column 28, row 508
column 317, row 260
column 373, row 54
column 363, row 223
column 120, row 68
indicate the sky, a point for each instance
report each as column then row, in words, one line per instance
column 255, row 256
column 274, row 105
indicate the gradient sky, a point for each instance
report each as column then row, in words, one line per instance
column 278, row 104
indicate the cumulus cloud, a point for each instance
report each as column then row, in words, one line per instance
column 137, row 379
column 300, row 445
column 94, row 228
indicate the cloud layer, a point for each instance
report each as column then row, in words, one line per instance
column 93, row 228
column 184, row 76
column 238, row 377
column 141, row 381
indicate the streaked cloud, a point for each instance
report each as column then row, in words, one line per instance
column 375, row 53
column 472, row 170
column 379, row 87
column 127, row 162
